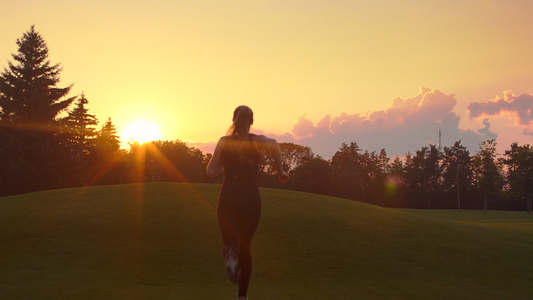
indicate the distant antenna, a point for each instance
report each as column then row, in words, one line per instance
column 440, row 145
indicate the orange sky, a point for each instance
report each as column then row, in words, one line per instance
column 185, row 65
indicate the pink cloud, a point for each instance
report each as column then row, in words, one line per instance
column 205, row 147
column 405, row 126
column 303, row 128
column 519, row 108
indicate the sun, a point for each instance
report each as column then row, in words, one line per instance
column 142, row 131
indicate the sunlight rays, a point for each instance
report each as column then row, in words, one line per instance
column 146, row 154
column 172, row 173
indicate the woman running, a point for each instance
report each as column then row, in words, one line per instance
column 239, row 202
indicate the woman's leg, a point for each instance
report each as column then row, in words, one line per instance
column 228, row 223
column 245, row 265
column 238, row 217
column 247, row 230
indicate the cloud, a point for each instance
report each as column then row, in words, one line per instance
column 303, row 127
column 518, row 108
column 208, row 147
column 406, row 126
column 486, row 129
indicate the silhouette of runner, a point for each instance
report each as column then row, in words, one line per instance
column 239, row 202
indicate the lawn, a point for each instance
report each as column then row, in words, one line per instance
column 161, row 241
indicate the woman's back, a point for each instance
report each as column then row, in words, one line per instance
column 239, row 202
column 241, row 161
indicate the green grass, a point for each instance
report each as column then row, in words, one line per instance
column 161, row 241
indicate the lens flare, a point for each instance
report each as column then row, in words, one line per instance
column 392, row 185
column 142, row 131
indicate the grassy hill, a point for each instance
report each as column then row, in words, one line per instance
column 161, row 241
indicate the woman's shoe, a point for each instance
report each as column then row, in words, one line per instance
column 232, row 268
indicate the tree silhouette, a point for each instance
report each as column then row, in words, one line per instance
column 424, row 173
column 30, row 103
column 377, row 168
column 349, row 165
column 77, row 138
column 109, row 163
column 457, row 169
column 107, row 141
column 313, row 176
column 487, row 172
column 396, row 181
column 29, row 92
column 519, row 160
column 292, row 156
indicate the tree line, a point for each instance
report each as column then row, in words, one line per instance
column 49, row 140
column 429, row 178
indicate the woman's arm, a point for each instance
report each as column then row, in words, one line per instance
column 263, row 142
column 215, row 165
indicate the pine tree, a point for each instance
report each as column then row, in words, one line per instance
column 30, row 104
column 107, row 141
column 80, row 130
column 77, row 137
column 29, row 95
column 108, row 159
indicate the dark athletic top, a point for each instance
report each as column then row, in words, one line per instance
column 241, row 162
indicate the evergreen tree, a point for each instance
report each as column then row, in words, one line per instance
column 78, row 134
column 107, row 141
column 30, row 104
column 108, row 161
column 29, row 95
column 80, row 130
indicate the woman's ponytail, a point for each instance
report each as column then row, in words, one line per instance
column 243, row 118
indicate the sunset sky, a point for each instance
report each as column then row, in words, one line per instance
column 384, row 73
